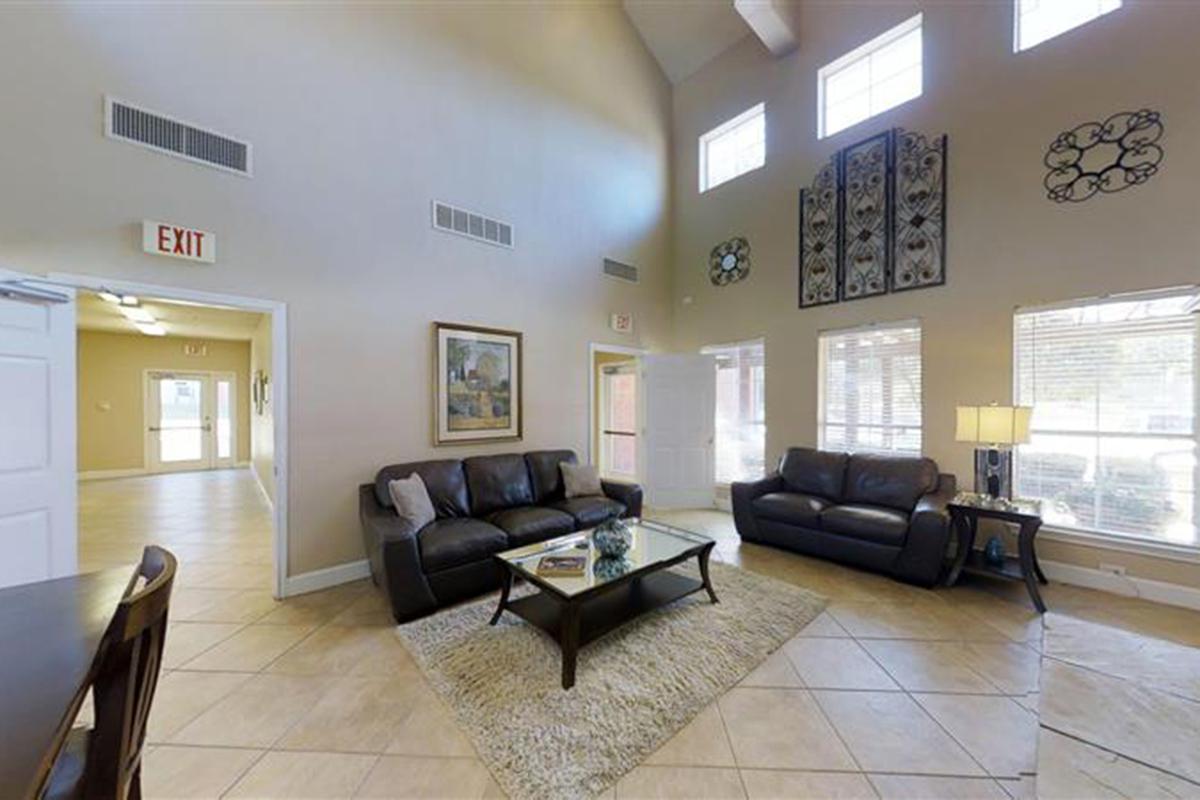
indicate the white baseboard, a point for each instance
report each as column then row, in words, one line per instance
column 1128, row 585
column 109, row 474
column 326, row 578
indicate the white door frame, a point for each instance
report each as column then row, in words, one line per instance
column 150, row 403
column 593, row 412
column 279, row 379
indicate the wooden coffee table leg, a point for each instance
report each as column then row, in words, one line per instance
column 708, row 587
column 1029, row 563
column 505, row 588
column 569, row 641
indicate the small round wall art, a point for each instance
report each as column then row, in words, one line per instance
column 729, row 261
column 1104, row 156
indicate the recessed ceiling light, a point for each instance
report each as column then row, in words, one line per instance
column 152, row 329
column 137, row 314
column 110, row 297
column 129, row 300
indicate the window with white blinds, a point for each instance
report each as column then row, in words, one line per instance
column 741, row 425
column 1113, row 437
column 870, row 389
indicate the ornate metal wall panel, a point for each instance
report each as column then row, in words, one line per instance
column 819, row 238
column 919, row 211
column 866, row 232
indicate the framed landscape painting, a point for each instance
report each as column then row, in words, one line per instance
column 477, row 384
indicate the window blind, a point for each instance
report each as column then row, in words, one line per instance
column 741, row 425
column 1113, row 435
column 871, row 389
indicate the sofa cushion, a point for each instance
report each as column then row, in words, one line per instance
column 868, row 523
column 532, row 524
column 449, row 543
column 791, row 507
column 497, row 482
column 581, row 480
column 809, row 471
column 411, row 501
column 893, row 481
column 590, row 511
column 545, row 474
column 444, row 480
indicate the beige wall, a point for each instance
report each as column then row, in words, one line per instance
column 111, row 389
column 262, row 426
column 551, row 116
column 1008, row 244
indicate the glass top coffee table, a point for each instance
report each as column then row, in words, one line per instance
column 577, row 609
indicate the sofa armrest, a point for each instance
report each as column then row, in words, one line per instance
column 929, row 528
column 742, row 495
column 395, row 557
column 627, row 494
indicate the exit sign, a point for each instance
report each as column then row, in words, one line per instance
column 190, row 244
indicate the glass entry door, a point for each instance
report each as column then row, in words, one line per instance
column 618, row 422
column 190, row 420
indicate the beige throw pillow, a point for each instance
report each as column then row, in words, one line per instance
column 412, row 502
column 581, row 480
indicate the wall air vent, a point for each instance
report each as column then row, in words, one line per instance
column 624, row 272
column 173, row 137
column 452, row 219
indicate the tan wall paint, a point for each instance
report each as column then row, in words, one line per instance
column 551, row 116
column 262, row 426
column 111, row 371
column 1008, row 244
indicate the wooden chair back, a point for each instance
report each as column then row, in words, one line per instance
column 126, row 677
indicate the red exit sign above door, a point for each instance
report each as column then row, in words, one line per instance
column 165, row 239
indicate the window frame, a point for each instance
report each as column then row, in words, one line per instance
column 822, row 423
column 1094, row 536
column 1016, row 8
column 865, row 51
column 759, row 110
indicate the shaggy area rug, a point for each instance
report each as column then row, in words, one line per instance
column 634, row 687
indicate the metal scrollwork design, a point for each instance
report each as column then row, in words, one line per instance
column 919, row 212
column 1104, row 156
column 729, row 261
column 819, row 238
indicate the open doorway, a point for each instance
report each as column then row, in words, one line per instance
column 613, row 436
column 179, row 425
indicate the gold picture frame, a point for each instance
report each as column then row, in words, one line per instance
column 478, row 390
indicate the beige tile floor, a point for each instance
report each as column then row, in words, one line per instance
column 894, row 691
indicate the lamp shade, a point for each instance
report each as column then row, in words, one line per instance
column 993, row 424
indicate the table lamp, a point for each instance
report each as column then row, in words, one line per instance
column 995, row 429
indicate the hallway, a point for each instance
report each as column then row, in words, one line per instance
column 218, row 523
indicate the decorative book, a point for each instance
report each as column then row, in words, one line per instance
column 562, row 566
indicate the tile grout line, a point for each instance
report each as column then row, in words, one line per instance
column 1119, row 754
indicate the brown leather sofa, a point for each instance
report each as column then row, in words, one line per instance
column 885, row 513
column 484, row 505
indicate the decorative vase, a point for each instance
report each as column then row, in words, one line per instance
column 612, row 538
column 993, row 552
column 609, row 568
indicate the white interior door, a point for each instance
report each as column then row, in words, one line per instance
column 678, row 404
column 37, row 431
column 191, row 420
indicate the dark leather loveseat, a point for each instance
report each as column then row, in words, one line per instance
column 885, row 513
column 484, row 505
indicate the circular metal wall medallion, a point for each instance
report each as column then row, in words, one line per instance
column 1104, row 156
column 729, row 261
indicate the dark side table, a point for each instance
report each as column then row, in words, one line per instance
column 966, row 509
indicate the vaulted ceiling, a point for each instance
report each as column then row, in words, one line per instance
column 684, row 35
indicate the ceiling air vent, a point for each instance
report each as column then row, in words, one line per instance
column 616, row 269
column 451, row 219
column 157, row 132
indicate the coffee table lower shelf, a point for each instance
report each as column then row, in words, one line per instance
column 573, row 622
